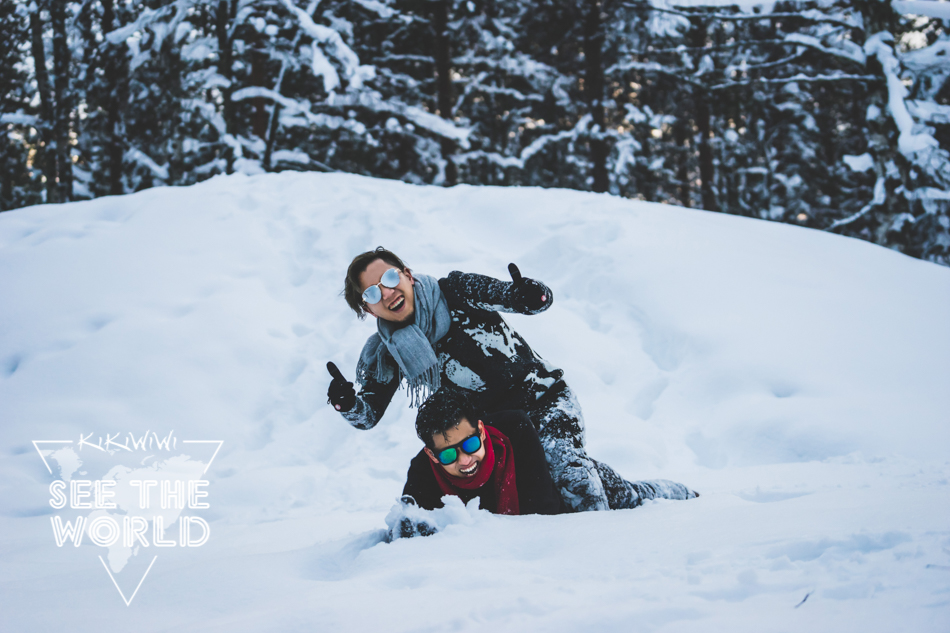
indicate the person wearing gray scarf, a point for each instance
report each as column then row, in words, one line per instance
column 447, row 334
column 411, row 347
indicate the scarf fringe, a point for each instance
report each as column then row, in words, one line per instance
column 383, row 367
column 422, row 387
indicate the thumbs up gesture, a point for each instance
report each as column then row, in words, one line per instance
column 528, row 295
column 341, row 393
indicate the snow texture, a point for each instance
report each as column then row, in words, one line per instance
column 17, row 118
column 136, row 156
column 796, row 379
column 860, row 163
column 908, row 142
column 849, row 50
column 930, row 8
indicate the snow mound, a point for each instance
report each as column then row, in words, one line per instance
column 797, row 379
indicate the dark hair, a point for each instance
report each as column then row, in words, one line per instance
column 443, row 410
column 352, row 291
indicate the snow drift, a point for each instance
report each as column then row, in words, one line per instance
column 797, row 379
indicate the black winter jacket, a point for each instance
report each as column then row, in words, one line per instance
column 537, row 493
column 480, row 352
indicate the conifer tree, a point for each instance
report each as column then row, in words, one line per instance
column 19, row 186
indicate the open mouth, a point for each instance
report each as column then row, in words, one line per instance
column 470, row 471
column 397, row 305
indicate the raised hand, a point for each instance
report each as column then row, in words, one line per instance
column 341, row 393
column 528, row 294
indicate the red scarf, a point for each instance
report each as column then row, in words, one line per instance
column 497, row 466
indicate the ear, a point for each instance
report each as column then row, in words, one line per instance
column 431, row 455
column 481, row 428
column 409, row 275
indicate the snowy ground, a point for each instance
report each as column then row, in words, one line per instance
column 797, row 379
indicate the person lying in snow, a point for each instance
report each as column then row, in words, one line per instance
column 497, row 459
column 433, row 332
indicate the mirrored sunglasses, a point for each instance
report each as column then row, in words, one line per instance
column 470, row 445
column 390, row 279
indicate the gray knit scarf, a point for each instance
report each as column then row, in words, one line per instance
column 410, row 346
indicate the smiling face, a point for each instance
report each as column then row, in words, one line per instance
column 397, row 304
column 466, row 465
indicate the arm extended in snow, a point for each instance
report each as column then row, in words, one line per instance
column 521, row 295
column 363, row 410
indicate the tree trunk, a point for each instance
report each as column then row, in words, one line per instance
column 594, row 91
column 255, row 43
column 225, row 61
column 47, row 144
column 115, row 75
column 259, row 119
column 63, row 108
column 707, row 172
column 271, row 137
column 443, row 78
column 681, row 137
column 883, row 133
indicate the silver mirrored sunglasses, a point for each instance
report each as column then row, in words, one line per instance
column 390, row 279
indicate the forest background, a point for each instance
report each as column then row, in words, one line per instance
column 830, row 114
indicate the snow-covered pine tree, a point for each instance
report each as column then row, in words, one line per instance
column 61, row 19
column 102, row 90
column 323, row 112
column 406, row 104
column 570, row 147
column 504, row 91
column 19, row 183
column 402, row 137
column 910, row 204
column 51, row 24
column 804, row 75
column 46, row 161
column 730, row 79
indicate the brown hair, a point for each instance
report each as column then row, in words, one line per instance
column 352, row 291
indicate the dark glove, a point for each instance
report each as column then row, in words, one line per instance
column 407, row 528
column 341, row 393
column 528, row 294
column 408, row 520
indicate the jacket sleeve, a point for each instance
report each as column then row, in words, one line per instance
column 371, row 403
column 537, row 493
column 421, row 484
column 487, row 293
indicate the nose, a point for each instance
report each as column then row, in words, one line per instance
column 386, row 292
column 466, row 460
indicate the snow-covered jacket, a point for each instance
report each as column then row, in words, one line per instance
column 480, row 352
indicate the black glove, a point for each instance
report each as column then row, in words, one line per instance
column 408, row 520
column 528, row 294
column 341, row 393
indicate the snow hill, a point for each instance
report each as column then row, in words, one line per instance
column 797, row 379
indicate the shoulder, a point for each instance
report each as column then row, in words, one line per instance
column 452, row 283
column 458, row 288
column 513, row 423
column 421, row 484
column 419, row 466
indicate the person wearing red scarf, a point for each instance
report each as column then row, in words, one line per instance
column 498, row 458
column 506, row 468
